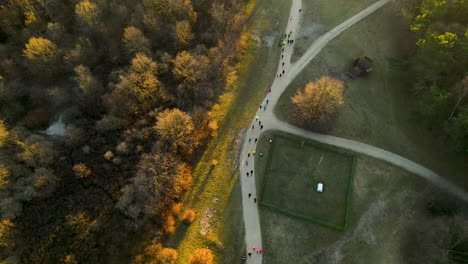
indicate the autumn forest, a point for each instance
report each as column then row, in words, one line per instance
column 135, row 81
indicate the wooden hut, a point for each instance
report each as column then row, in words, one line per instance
column 360, row 66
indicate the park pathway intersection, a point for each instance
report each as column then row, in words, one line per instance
column 270, row 122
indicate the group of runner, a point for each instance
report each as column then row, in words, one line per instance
column 283, row 42
column 257, row 119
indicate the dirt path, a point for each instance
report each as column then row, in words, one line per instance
column 270, row 122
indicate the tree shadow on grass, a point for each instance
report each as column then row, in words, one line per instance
column 178, row 235
column 316, row 126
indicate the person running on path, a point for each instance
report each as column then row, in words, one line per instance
column 255, row 140
column 282, row 56
column 253, row 127
column 260, row 106
column 254, row 249
column 300, row 10
column 264, row 108
column 280, row 75
column 251, row 172
column 248, row 155
column 250, row 139
column 261, row 127
column 283, row 71
column 283, row 64
column 250, row 254
column 261, row 251
column 269, row 90
column 247, row 174
column 255, row 200
column 259, row 122
column 257, row 117
column 250, row 195
column 246, row 163
column 267, row 101
column 253, row 152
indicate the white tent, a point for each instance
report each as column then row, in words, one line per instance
column 320, row 187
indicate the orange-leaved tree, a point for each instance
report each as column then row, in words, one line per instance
column 202, row 256
column 318, row 100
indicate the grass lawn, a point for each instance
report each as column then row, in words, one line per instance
column 387, row 204
column 293, row 172
column 379, row 108
column 320, row 16
column 215, row 192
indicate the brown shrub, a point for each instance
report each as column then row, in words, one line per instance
column 38, row 117
column 167, row 256
column 175, row 209
column 81, row 171
column 169, row 225
column 189, row 216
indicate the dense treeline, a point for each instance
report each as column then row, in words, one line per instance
column 440, row 65
column 136, row 81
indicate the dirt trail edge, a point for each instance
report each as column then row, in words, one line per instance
column 270, row 122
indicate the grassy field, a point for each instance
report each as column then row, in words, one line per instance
column 215, row 192
column 319, row 17
column 294, row 169
column 379, row 108
column 387, row 206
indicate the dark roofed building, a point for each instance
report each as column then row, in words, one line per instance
column 360, row 66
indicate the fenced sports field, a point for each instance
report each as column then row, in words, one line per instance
column 294, row 167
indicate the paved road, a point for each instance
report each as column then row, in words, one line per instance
column 374, row 152
column 253, row 237
column 270, row 122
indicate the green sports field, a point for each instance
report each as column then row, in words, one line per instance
column 294, row 168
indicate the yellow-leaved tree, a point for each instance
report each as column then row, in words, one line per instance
column 183, row 33
column 6, row 227
column 4, row 134
column 318, row 100
column 87, row 14
column 134, row 41
column 41, row 55
column 176, row 129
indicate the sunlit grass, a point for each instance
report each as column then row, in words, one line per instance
column 235, row 108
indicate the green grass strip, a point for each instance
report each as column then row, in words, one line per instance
column 350, row 189
column 316, row 144
column 304, row 217
column 267, row 168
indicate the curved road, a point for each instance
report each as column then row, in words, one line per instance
column 270, row 122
